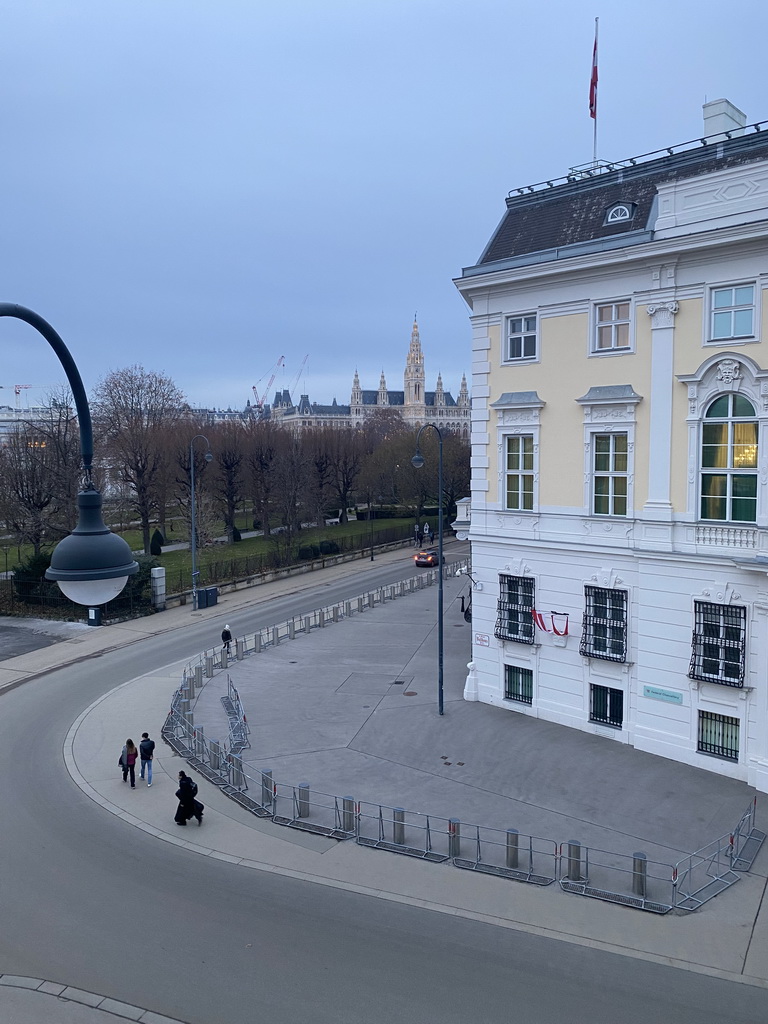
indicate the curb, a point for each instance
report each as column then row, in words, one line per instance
column 118, row 1009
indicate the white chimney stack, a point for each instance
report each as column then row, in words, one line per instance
column 722, row 116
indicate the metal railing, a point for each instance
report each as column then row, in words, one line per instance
column 509, row 854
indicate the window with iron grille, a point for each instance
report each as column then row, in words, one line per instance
column 604, row 627
column 606, row 705
column 518, row 684
column 718, row 735
column 719, row 643
column 514, row 612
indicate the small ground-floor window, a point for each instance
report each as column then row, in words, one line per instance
column 606, row 705
column 718, row 735
column 518, row 684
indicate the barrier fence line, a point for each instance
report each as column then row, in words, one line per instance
column 628, row 879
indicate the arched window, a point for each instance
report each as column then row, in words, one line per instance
column 729, row 460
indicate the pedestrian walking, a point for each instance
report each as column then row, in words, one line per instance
column 188, row 807
column 146, row 752
column 128, row 762
column 226, row 638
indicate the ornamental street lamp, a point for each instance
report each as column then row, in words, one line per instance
column 418, row 461
column 193, row 538
column 92, row 564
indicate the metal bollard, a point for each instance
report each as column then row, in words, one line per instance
column 639, row 874
column 183, row 706
column 303, row 801
column 209, row 666
column 454, row 837
column 198, row 680
column 224, row 657
column 267, row 787
column 292, row 629
column 257, row 644
column 321, row 618
column 215, row 750
column 371, row 599
column 308, row 624
column 513, row 838
column 275, row 636
column 335, row 613
column 360, row 604
column 398, row 826
column 238, row 778
column 239, row 649
column 574, row 860
column 200, row 742
column 348, row 814
column 347, row 609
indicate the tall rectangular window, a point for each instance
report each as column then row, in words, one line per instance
column 518, row 684
column 519, row 473
column 522, row 338
column 611, row 327
column 514, row 614
column 733, row 312
column 604, row 627
column 606, row 705
column 718, row 735
column 719, row 643
column 610, row 474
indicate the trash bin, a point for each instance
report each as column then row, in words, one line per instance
column 94, row 616
column 202, row 598
column 212, row 596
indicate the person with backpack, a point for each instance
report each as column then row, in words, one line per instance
column 128, row 762
column 146, row 747
column 188, row 807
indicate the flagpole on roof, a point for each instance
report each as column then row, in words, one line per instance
column 593, row 95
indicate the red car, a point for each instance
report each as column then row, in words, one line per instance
column 427, row 558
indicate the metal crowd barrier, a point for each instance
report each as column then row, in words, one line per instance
column 411, row 833
column 628, row 879
column 508, row 854
column 746, row 840
column 704, row 874
column 321, row 813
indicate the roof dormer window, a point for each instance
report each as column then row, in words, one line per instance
column 619, row 212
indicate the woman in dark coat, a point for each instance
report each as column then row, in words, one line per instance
column 188, row 806
column 128, row 761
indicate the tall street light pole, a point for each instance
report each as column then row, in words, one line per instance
column 418, row 461
column 193, row 538
column 92, row 564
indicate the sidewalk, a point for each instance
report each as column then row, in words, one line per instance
column 352, row 709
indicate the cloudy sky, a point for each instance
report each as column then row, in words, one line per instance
column 202, row 186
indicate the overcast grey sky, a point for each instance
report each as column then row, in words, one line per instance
column 201, row 186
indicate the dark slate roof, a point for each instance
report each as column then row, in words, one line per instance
column 574, row 212
column 397, row 398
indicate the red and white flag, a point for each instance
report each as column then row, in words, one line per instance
column 539, row 622
column 593, row 80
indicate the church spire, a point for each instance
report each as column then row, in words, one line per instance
column 383, row 398
column 413, row 378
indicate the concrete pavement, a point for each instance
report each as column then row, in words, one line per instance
column 352, row 709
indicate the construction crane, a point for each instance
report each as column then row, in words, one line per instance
column 261, row 400
column 297, row 378
column 18, row 388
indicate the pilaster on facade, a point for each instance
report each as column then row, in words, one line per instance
column 658, row 505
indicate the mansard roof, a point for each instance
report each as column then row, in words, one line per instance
column 397, row 398
column 551, row 221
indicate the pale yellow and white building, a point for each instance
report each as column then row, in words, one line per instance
column 619, row 508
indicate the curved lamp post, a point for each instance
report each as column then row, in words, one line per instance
column 92, row 564
column 418, row 461
column 193, row 538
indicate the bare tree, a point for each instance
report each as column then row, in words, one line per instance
column 133, row 408
column 228, row 446
column 40, row 469
column 262, row 440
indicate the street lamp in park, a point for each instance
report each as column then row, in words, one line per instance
column 193, row 538
column 418, row 461
column 92, row 564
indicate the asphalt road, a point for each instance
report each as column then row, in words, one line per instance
column 89, row 901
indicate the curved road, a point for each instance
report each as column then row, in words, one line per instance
column 86, row 900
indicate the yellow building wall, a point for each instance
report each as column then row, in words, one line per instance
column 564, row 373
